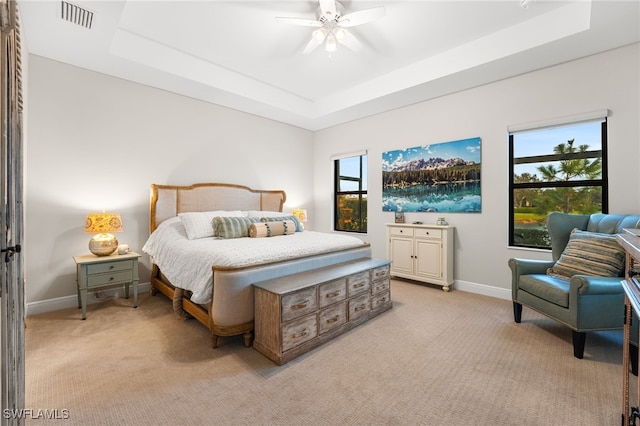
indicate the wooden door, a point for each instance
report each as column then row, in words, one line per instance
column 12, row 309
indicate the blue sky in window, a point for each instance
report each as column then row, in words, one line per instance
column 467, row 149
column 542, row 142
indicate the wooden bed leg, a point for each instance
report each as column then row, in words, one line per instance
column 247, row 339
column 214, row 341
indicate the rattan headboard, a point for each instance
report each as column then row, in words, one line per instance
column 169, row 200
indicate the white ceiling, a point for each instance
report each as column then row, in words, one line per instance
column 235, row 54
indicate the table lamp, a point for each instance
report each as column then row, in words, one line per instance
column 301, row 214
column 102, row 224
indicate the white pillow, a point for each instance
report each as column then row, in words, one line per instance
column 265, row 213
column 199, row 224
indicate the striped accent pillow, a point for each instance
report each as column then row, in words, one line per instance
column 232, row 227
column 299, row 226
column 200, row 224
column 590, row 253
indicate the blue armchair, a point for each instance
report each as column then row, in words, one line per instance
column 583, row 303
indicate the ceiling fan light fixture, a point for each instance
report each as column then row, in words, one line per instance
column 319, row 35
column 331, row 45
column 340, row 34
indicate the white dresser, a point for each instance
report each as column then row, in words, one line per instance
column 421, row 252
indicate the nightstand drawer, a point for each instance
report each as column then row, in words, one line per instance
column 114, row 278
column 100, row 268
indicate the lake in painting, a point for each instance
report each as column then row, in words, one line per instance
column 442, row 177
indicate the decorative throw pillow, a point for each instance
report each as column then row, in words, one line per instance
column 299, row 226
column 272, row 229
column 199, row 225
column 590, row 253
column 232, row 227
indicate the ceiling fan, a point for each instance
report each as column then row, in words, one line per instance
column 331, row 23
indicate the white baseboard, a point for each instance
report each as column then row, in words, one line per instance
column 65, row 302
column 42, row 306
column 487, row 290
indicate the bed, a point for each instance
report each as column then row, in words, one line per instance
column 210, row 278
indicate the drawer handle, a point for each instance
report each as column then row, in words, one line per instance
column 111, row 267
column 300, row 305
column 301, row 334
column 332, row 320
column 381, row 274
column 384, row 299
column 334, row 294
column 110, row 278
column 359, row 308
column 360, row 284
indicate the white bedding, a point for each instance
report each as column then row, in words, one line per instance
column 188, row 263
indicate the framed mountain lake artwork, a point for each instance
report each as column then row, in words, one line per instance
column 442, row 177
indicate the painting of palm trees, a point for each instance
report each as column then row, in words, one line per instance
column 443, row 177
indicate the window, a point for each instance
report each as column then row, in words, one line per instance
column 558, row 168
column 350, row 203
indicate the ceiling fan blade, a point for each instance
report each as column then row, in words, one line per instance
column 361, row 17
column 348, row 39
column 299, row 21
column 328, row 9
column 311, row 46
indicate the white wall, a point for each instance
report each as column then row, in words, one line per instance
column 605, row 81
column 96, row 142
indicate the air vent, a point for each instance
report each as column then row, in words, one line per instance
column 76, row 14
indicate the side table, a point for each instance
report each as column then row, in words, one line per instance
column 104, row 271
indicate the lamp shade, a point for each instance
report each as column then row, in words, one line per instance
column 102, row 225
column 301, row 214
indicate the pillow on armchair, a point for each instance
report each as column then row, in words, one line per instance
column 590, row 253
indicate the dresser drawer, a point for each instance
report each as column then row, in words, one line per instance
column 380, row 273
column 401, row 231
column 332, row 292
column 299, row 331
column 358, row 283
column 298, row 303
column 114, row 278
column 429, row 233
column 380, row 300
column 358, row 306
column 100, row 268
column 381, row 285
column 332, row 317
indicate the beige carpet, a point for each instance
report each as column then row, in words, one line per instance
column 434, row 359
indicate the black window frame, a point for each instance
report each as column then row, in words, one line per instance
column 360, row 192
column 603, row 182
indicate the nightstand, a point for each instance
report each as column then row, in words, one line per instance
column 104, row 271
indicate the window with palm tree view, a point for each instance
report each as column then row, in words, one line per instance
column 562, row 168
column 350, row 203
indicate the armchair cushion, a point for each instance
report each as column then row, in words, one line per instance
column 550, row 288
column 590, row 253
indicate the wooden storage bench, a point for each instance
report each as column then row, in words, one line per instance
column 298, row 312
